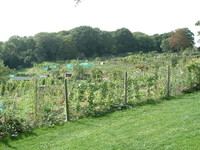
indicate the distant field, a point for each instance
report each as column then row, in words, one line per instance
column 173, row 124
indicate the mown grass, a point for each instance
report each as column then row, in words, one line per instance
column 173, row 124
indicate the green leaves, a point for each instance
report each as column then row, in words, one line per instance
column 124, row 41
column 4, row 72
column 87, row 40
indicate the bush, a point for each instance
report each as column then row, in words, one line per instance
column 78, row 72
column 12, row 126
column 4, row 72
column 96, row 73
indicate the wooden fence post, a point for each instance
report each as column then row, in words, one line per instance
column 66, row 100
column 36, row 103
column 125, row 88
column 168, row 81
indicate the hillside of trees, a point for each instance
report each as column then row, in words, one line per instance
column 85, row 41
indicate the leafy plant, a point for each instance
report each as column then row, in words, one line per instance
column 12, row 126
column 96, row 73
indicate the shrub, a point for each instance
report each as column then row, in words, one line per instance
column 96, row 73
column 194, row 68
column 12, row 126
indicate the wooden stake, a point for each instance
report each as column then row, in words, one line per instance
column 168, row 81
column 66, row 101
column 125, row 87
column 36, row 103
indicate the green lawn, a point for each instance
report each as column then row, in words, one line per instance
column 173, row 124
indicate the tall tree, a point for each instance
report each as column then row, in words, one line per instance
column 145, row 42
column 181, row 39
column 106, row 43
column 165, row 46
column 18, row 52
column 159, row 40
column 67, row 48
column 47, row 45
column 124, row 41
column 87, row 40
column 9, row 54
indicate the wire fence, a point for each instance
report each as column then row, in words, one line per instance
column 43, row 102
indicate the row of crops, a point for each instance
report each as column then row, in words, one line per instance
column 28, row 104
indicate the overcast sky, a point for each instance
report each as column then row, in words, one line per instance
column 28, row 17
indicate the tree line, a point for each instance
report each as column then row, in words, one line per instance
column 85, row 41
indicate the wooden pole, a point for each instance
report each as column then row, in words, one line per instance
column 66, row 100
column 168, row 81
column 36, row 102
column 125, row 87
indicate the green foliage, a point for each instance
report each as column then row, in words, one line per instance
column 67, row 49
column 43, row 104
column 175, row 60
column 165, row 46
column 124, row 41
column 18, row 52
column 194, row 68
column 47, row 45
column 96, row 73
column 87, row 42
column 4, row 72
column 158, row 38
column 116, row 75
column 12, row 126
column 78, row 72
column 107, row 45
column 145, row 42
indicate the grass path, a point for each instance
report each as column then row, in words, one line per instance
column 173, row 125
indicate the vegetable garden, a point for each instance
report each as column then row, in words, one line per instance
column 41, row 102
